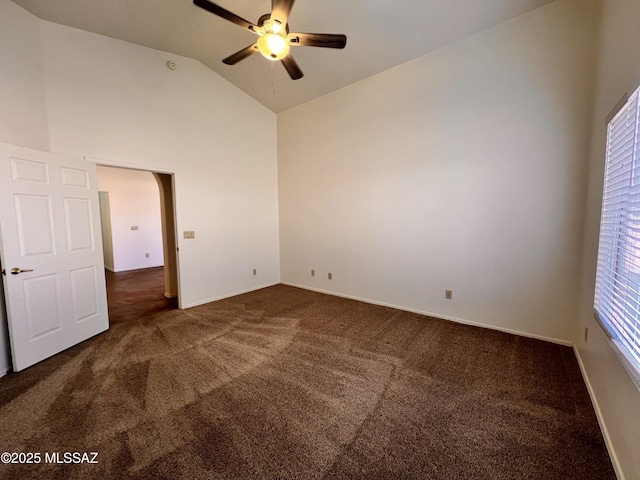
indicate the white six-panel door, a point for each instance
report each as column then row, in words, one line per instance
column 51, row 253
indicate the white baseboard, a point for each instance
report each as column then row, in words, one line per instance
column 437, row 315
column 4, row 371
column 228, row 295
column 603, row 426
column 146, row 267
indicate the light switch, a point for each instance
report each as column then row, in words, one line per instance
column 189, row 234
column 134, row 227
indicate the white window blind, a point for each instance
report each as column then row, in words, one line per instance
column 617, row 295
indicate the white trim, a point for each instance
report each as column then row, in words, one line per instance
column 437, row 315
column 603, row 426
column 627, row 362
column 135, row 269
column 131, row 165
column 4, row 371
column 229, row 295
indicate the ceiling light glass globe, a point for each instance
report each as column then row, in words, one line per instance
column 273, row 46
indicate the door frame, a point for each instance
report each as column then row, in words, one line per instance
column 162, row 170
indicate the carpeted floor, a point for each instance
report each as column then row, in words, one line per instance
column 288, row 383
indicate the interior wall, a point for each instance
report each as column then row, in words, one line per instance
column 134, row 200
column 118, row 102
column 105, row 225
column 169, row 246
column 617, row 397
column 463, row 169
column 23, row 119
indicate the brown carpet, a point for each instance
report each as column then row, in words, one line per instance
column 288, row 383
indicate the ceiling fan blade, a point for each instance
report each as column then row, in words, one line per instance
column 292, row 68
column 280, row 10
column 240, row 55
column 326, row 40
column 226, row 14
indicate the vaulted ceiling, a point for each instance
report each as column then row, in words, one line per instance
column 381, row 34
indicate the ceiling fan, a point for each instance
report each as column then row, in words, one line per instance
column 274, row 37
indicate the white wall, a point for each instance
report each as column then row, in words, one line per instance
column 134, row 198
column 112, row 100
column 617, row 398
column 105, row 226
column 462, row 170
column 23, row 118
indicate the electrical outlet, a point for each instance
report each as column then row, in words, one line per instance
column 146, row 255
column 255, row 272
column 330, row 276
column 189, row 234
column 134, row 227
column 313, row 273
column 586, row 334
column 448, row 294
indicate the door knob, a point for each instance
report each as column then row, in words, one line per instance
column 16, row 271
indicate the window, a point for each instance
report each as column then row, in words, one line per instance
column 617, row 295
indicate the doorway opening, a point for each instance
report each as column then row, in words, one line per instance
column 137, row 213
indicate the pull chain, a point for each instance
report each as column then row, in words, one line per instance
column 273, row 81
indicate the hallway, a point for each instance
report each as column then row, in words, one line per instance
column 137, row 294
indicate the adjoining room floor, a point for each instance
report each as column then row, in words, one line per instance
column 137, row 293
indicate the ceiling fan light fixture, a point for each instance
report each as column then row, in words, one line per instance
column 273, row 26
column 274, row 40
column 273, row 46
